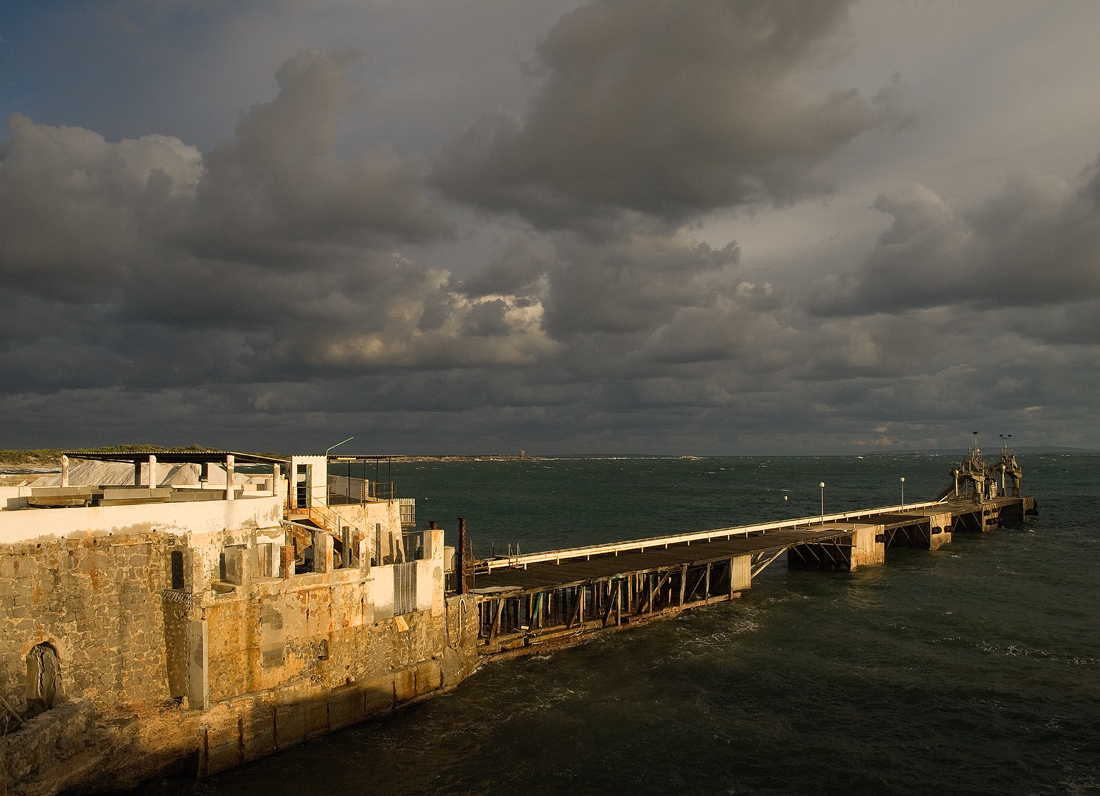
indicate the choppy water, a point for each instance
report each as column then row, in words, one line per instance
column 974, row 669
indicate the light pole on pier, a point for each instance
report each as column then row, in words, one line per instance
column 903, row 491
column 822, row 485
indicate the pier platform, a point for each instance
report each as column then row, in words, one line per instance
column 555, row 598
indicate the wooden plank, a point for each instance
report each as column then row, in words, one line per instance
column 496, row 621
column 611, row 603
column 649, row 600
column 575, row 612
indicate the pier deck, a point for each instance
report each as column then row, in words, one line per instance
column 540, row 600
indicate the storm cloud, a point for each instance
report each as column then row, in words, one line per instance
column 709, row 226
column 670, row 108
column 1034, row 242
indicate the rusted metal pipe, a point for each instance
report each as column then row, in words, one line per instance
column 460, row 556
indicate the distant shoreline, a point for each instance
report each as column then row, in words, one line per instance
column 17, row 462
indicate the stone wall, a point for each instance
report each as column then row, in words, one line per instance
column 141, row 618
column 96, row 601
column 44, row 742
column 68, row 749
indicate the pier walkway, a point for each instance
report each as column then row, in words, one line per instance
column 537, row 601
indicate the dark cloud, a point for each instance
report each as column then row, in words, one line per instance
column 517, row 269
column 629, row 282
column 272, row 240
column 668, row 107
column 279, row 184
column 1035, row 242
column 269, row 291
column 77, row 212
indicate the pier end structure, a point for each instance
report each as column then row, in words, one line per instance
column 159, row 632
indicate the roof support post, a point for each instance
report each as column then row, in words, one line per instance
column 152, row 471
column 229, row 477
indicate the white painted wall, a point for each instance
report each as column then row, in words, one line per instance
column 318, row 477
column 211, row 516
column 382, row 591
column 429, row 574
column 13, row 497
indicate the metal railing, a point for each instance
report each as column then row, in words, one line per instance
column 343, row 490
column 557, row 556
column 407, row 507
column 404, row 588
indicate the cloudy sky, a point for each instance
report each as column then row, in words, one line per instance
column 648, row 226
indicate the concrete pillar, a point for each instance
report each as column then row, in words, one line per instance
column 238, row 565
column 229, row 477
column 868, row 545
column 275, row 476
column 322, row 551
column 198, row 687
column 152, row 472
column 64, row 470
column 939, row 530
column 428, row 539
column 286, row 561
column 740, row 574
column 364, row 556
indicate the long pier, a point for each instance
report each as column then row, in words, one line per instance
column 539, row 601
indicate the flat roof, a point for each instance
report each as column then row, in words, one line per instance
column 176, row 457
column 363, row 457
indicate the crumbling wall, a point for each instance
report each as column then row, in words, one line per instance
column 97, row 601
column 282, row 659
column 380, row 523
column 36, row 749
column 324, row 628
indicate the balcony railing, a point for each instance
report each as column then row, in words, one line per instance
column 344, row 490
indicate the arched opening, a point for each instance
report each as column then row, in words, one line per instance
column 43, row 679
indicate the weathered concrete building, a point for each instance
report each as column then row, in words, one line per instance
column 149, row 628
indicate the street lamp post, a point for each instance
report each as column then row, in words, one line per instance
column 903, row 491
column 337, row 445
column 822, row 485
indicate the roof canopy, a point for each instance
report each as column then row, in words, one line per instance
column 176, row 457
column 360, row 457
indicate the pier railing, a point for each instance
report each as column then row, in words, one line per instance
column 557, row 556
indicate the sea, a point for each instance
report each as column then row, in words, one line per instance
column 974, row 669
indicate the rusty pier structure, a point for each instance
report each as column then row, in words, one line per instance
column 541, row 601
